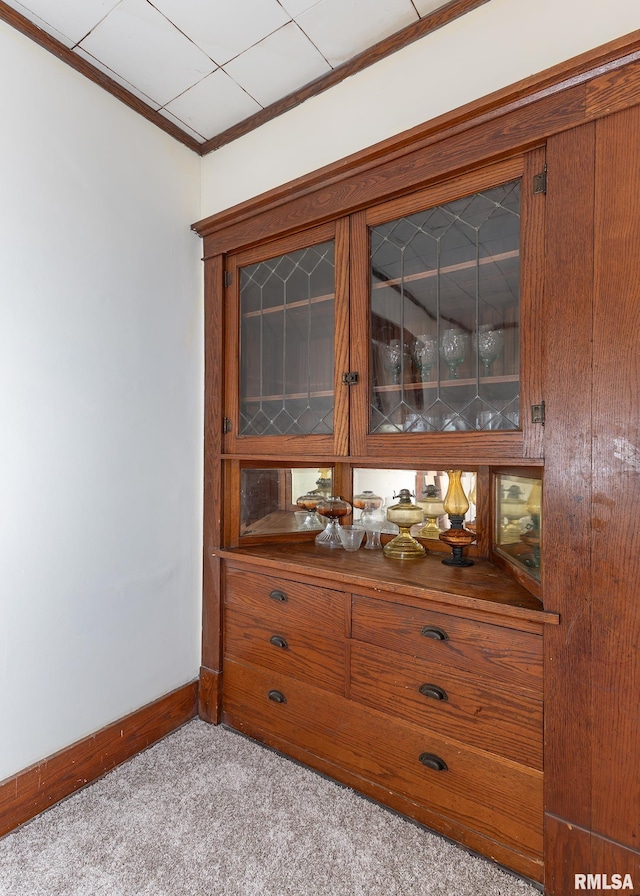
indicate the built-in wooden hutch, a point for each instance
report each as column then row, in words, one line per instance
column 465, row 296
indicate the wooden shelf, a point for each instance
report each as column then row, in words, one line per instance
column 290, row 306
column 449, row 269
column 449, row 384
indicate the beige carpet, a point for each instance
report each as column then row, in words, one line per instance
column 207, row 812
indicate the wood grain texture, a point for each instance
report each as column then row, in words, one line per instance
column 298, row 652
column 473, row 710
column 25, row 795
column 210, row 694
column 500, row 655
column 615, row 658
column 567, row 370
column 480, row 591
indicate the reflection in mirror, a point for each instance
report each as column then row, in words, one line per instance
column 278, row 500
column 518, row 521
column 427, row 487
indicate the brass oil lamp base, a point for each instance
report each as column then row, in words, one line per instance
column 405, row 515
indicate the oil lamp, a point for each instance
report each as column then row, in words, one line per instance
column 369, row 503
column 432, row 507
column 457, row 537
column 404, row 514
column 333, row 508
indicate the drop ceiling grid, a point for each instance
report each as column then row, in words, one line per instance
column 207, row 66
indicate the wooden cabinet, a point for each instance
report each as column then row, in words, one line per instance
column 455, row 701
column 505, row 716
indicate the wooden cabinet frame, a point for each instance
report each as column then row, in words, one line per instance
column 584, row 116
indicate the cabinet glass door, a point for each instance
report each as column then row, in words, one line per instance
column 286, row 343
column 445, row 316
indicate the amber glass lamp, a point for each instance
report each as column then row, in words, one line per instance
column 333, row 508
column 457, row 537
column 404, row 514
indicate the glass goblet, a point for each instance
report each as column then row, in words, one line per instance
column 393, row 360
column 453, row 350
column 489, row 347
column 425, row 353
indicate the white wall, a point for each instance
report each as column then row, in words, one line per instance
column 490, row 48
column 100, row 408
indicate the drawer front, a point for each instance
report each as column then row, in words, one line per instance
column 454, row 704
column 285, row 648
column 498, row 798
column 276, row 600
column 503, row 655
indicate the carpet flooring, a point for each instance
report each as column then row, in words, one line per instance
column 207, row 812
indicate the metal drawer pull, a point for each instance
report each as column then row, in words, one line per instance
column 277, row 696
column 277, row 641
column 433, row 691
column 430, row 760
column 278, row 595
column 432, row 631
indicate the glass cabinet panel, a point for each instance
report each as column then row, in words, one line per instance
column 280, row 500
column 518, row 521
column 287, row 343
column 445, row 316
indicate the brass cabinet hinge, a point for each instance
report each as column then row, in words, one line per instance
column 228, row 279
column 350, row 378
column 537, row 413
column 226, row 425
column 540, row 181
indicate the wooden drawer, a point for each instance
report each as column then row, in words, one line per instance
column 275, row 600
column 496, row 797
column 285, row 647
column 510, row 657
column 453, row 703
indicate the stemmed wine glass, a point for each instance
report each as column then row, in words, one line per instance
column 489, row 345
column 453, row 350
column 393, row 359
column 425, row 352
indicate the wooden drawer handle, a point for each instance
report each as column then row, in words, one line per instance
column 278, row 595
column 430, row 760
column 277, row 641
column 433, row 691
column 277, row 696
column 432, row 631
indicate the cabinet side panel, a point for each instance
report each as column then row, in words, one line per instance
column 212, row 509
column 567, row 493
column 616, row 456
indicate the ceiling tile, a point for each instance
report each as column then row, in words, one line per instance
column 295, row 7
column 213, row 105
column 140, row 45
column 182, row 125
column 115, row 77
column 341, row 29
column 224, row 28
column 278, row 65
column 424, row 7
column 68, row 18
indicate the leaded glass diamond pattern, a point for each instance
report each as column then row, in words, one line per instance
column 445, row 316
column 286, row 343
